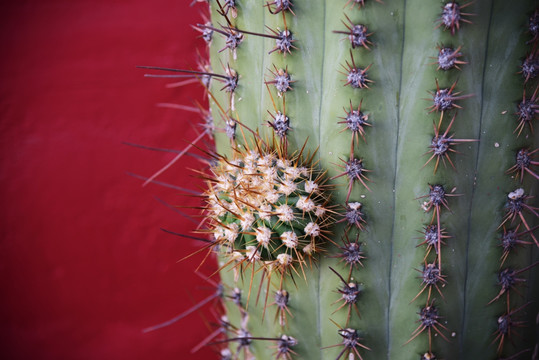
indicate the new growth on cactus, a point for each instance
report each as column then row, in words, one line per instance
column 267, row 209
column 315, row 232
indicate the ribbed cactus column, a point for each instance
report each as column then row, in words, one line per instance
column 497, row 152
column 355, row 87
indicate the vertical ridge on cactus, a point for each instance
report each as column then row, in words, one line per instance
column 287, row 81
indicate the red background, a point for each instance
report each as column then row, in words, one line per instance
column 83, row 264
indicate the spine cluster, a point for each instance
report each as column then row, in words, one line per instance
column 353, row 170
column 514, row 227
column 267, row 209
column 445, row 101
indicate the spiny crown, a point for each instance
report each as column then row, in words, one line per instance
column 267, row 207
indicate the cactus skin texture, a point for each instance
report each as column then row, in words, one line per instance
column 453, row 312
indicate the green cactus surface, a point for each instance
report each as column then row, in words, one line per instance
column 366, row 199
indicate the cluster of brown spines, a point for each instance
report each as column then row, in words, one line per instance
column 515, row 227
column 279, row 83
column 354, row 172
column 264, row 207
column 232, row 340
column 514, row 224
column 266, row 210
column 445, row 101
column 528, row 108
column 254, row 196
column 278, row 80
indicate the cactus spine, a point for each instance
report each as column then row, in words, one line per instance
column 410, row 113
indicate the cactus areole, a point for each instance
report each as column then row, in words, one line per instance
column 417, row 241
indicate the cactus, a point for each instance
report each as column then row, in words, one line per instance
column 371, row 192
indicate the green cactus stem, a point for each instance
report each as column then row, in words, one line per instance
column 412, row 243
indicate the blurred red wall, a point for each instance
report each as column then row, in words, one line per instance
column 84, row 267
